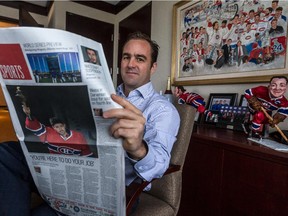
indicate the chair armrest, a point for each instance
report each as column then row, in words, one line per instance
column 134, row 190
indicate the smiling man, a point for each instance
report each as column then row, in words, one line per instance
column 271, row 98
column 148, row 123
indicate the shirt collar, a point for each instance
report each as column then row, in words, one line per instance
column 143, row 91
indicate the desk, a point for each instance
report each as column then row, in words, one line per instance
column 227, row 175
column 7, row 132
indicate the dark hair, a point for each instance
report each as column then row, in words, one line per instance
column 55, row 120
column 279, row 77
column 214, row 23
column 141, row 36
column 270, row 9
column 181, row 88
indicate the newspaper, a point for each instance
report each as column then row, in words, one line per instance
column 47, row 78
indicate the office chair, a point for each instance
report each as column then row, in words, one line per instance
column 165, row 195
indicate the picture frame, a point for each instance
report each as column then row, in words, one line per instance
column 189, row 15
column 233, row 117
column 215, row 101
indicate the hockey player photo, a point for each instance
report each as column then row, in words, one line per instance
column 56, row 120
column 245, row 22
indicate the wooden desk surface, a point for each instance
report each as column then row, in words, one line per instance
column 7, row 132
column 233, row 139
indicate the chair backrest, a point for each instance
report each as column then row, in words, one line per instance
column 169, row 187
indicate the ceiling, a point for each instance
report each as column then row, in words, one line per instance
column 43, row 6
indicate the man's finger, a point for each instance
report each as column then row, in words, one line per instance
column 125, row 104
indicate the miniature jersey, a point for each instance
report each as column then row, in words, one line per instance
column 192, row 99
column 74, row 144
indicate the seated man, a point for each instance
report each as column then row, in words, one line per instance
column 148, row 124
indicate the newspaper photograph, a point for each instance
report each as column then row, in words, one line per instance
column 57, row 85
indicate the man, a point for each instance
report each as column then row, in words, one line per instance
column 58, row 138
column 239, row 52
column 248, row 37
column 148, row 124
column 275, row 29
column 214, row 32
column 227, row 50
column 92, row 56
column 220, row 61
column 271, row 98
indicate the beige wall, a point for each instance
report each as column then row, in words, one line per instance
column 161, row 32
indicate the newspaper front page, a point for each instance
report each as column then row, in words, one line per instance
column 57, row 85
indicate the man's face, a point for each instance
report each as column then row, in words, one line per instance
column 248, row 26
column 136, row 68
column 60, row 128
column 257, row 18
column 278, row 13
column 92, row 56
column 274, row 24
column 274, row 4
column 277, row 87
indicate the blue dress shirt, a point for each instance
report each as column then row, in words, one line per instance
column 161, row 128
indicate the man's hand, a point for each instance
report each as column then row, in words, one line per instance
column 255, row 103
column 277, row 118
column 26, row 110
column 130, row 126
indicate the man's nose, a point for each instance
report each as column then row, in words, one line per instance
column 131, row 62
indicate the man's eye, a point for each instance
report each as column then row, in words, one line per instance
column 140, row 60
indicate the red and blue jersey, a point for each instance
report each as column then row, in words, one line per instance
column 73, row 144
column 279, row 104
column 192, row 99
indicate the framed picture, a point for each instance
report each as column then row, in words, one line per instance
column 243, row 101
column 221, row 42
column 233, row 117
column 215, row 102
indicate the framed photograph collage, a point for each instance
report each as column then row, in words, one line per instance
column 225, row 113
column 231, row 41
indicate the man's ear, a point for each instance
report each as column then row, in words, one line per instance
column 153, row 68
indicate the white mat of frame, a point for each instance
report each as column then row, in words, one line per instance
column 271, row 144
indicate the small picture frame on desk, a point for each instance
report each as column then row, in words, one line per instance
column 233, row 117
column 216, row 100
